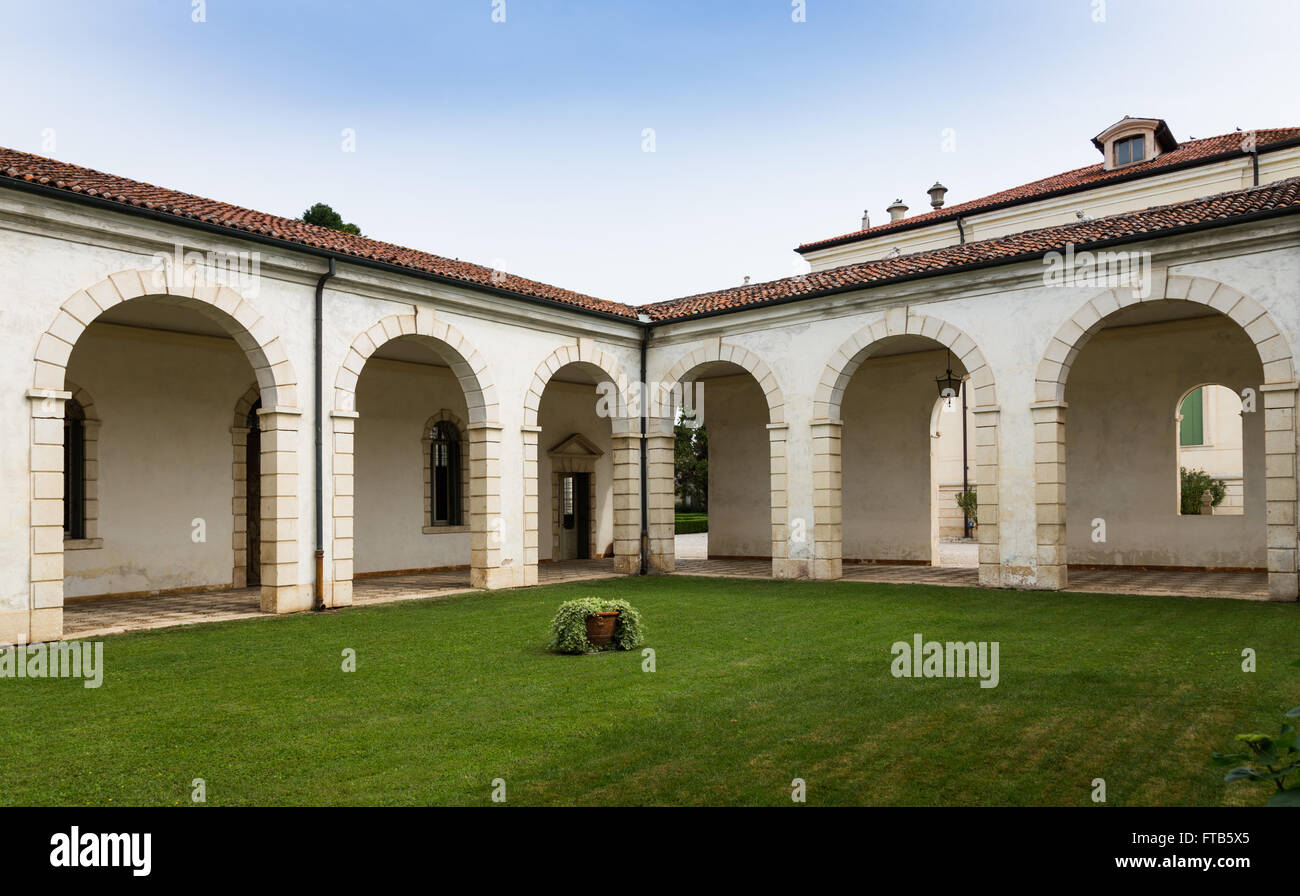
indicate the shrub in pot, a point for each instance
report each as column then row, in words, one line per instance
column 569, row 628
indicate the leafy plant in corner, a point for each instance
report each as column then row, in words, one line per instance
column 967, row 502
column 1269, row 759
column 569, row 627
column 1194, row 484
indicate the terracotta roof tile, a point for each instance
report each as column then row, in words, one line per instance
column 75, row 179
column 1282, row 196
column 1188, row 153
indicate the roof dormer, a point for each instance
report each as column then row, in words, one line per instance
column 1131, row 141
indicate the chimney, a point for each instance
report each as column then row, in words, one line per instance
column 866, row 220
column 897, row 211
column 936, row 195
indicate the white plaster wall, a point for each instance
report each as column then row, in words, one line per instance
column 1112, row 199
column 513, row 337
column 395, row 399
column 947, row 447
column 1012, row 316
column 740, row 515
column 1121, row 447
column 569, row 408
column 49, row 250
column 164, row 458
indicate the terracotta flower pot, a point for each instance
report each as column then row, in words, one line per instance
column 600, row 628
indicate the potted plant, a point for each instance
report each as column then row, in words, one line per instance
column 593, row 624
column 600, row 627
column 969, row 504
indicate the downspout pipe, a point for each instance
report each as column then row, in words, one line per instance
column 646, row 329
column 318, row 601
column 965, row 467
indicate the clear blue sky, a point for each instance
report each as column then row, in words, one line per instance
column 519, row 144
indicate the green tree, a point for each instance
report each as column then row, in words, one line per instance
column 691, row 465
column 1197, row 482
column 322, row 215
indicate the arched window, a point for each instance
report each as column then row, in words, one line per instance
column 444, row 474
column 1210, row 456
column 74, row 469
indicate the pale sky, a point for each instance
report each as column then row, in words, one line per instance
column 519, row 144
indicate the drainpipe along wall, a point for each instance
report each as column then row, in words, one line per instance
column 318, row 601
column 645, row 508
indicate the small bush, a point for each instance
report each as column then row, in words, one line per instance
column 569, row 627
column 968, row 502
column 1197, row 482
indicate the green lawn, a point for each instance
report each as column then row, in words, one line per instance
column 690, row 523
column 757, row 683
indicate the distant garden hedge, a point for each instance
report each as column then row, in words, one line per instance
column 691, row 523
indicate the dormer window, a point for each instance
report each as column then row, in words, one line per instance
column 1133, row 140
column 1130, row 150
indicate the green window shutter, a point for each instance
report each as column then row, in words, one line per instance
column 1193, row 428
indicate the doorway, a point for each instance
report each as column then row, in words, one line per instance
column 575, row 516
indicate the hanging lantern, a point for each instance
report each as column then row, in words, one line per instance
column 949, row 385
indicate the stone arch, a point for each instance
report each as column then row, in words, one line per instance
column 827, row 428
column 266, row 353
column 484, row 431
column 742, row 357
column 1278, row 397
column 849, row 357
column 245, row 404
column 253, row 332
column 784, row 566
column 1274, row 350
column 468, row 365
column 585, row 352
column 624, row 435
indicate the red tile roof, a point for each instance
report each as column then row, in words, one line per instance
column 1191, row 152
column 1280, row 197
column 75, row 179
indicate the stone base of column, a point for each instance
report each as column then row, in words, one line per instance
column 31, row 626
column 13, row 626
column 1051, row 578
column 339, row 594
column 661, row 562
column 495, row 577
column 791, row 568
column 47, row 625
column 990, row 575
column 286, row 598
column 1283, row 586
column 627, row 565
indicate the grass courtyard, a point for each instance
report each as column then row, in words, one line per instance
column 756, row 683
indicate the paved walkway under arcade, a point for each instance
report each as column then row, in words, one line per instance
column 97, row 617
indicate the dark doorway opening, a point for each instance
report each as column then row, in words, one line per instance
column 575, row 516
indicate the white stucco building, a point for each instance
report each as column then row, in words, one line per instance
column 204, row 397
